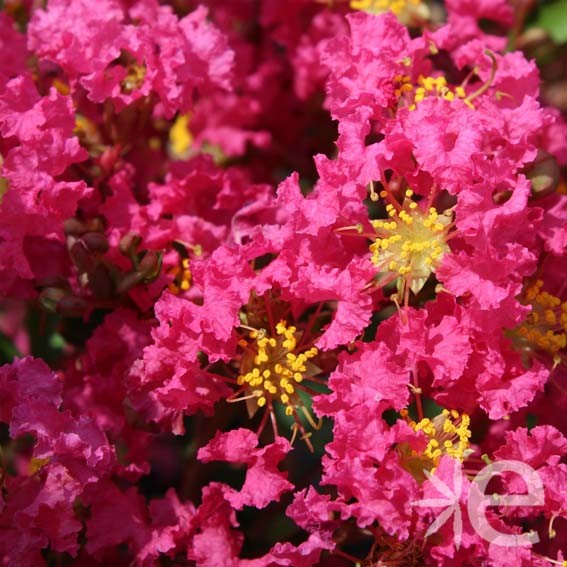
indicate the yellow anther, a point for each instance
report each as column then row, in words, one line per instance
column 135, row 75
column 545, row 328
column 36, row 465
column 180, row 137
column 460, row 92
column 270, row 363
column 446, row 435
column 403, row 9
column 428, row 87
column 182, row 277
column 412, row 248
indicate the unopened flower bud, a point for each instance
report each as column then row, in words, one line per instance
column 72, row 306
column 95, row 242
column 150, row 265
column 129, row 281
column 55, row 281
column 101, row 282
column 544, row 174
column 129, row 244
column 74, row 227
column 51, row 296
column 81, row 257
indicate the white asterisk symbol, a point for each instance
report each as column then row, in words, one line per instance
column 450, row 503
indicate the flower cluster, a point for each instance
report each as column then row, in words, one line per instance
column 278, row 276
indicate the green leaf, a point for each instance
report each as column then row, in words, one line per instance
column 553, row 19
column 8, row 350
column 42, row 326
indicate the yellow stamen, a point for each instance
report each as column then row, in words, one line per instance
column 180, row 137
column 182, row 277
column 411, row 245
column 274, row 365
column 545, row 328
column 448, row 434
column 134, row 79
column 403, row 9
column 427, row 87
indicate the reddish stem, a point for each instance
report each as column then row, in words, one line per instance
column 417, row 395
column 347, row 556
column 270, row 316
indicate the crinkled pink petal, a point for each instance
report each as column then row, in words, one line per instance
column 264, row 483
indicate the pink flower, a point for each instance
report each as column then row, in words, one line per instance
column 171, row 523
column 68, row 455
column 105, row 528
column 97, row 389
column 215, row 537
column 362, row 65
column 504, row 253
column 12, row 49
column 465, row 17
column 28, row 380
column 37, row 512
column 36, row 203
column 264, row 483
column 173, row 58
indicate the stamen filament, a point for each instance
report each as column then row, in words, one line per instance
column 487, row 84
column 373, row 195
column 357, row 227
column 309, row 327
column 417, row 393
column 232, row 400
column 310, row 419
column 270, row 316
column 551, row 532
